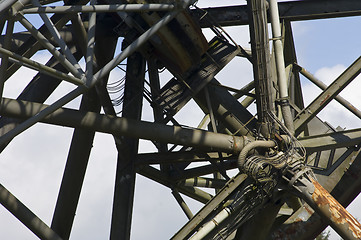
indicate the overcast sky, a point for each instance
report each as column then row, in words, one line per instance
column 31, row 166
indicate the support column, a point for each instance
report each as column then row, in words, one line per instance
column 127, row 150
column 80, row 148
column 261, row 61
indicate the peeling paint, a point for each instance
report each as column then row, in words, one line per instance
column 337, row 213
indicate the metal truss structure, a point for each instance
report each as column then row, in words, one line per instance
column 290, row 162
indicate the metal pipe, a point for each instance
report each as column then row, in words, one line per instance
column 209, row 226
column 280, row 66
column 323, row 86
column 101, row 8
column 27, row 217
column 203, row 182
column 6, row 4
column 332, row 211
column 124, row 126
column 250, row 146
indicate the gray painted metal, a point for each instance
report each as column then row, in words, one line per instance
column 126, row 127
column 280, row 66
column 323, row 86
column 127, row 150
column 101, row 8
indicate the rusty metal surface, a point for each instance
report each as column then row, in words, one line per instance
column 342, row 221
column 305, row 223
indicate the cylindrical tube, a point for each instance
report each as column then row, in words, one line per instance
column 280, row 66
column 209, row 226
column 243, row 154
column 125, row 127
column 333, row 212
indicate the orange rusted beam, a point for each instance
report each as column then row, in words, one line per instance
column 333, row 212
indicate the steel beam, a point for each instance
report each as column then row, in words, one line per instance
column 126, row 127
column 5, row 59
column 157, row 109
column 23, row 61
column 323, row 86
column 38, row 90
column 236, row 118
column 204, row 170
column 326, row 96
column 182, row 203
column 74, row 172
column 127, row 150
column 68, row 64
column 101, row 8
column 332, row 140
column 295, row 90
column 292, row 11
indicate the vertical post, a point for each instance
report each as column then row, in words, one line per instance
column 127, row 150
column 157, row 110
column 261, row 62
column 5, row 59
column 81, row 145
column 280, row 66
